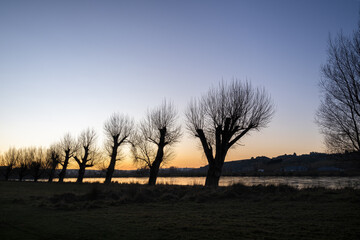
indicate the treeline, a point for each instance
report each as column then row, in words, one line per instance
column 219, row 120
column 149, row 144
column 34, row 162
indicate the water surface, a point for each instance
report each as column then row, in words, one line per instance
column 298, row 182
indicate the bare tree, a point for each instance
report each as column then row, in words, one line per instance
column 117, row 130
column 52, row 160
column 223, row 116
column 37, row 162
column 25, row 157
column 68, row 148
column 9, row 162
column 86, row 155
column 339, row 113
column 157, row 132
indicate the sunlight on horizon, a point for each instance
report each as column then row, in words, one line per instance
column 66, row 66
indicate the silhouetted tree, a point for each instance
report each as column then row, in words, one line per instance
column 37, row 164
column 117, row 130
column 26, row 156
column 87, row 152
column 68, row 148
column 9, row 161
column 52, row 160
column 339, row 113
column 223, row 116
column 157, row 132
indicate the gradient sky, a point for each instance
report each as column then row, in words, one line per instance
column 68, row 65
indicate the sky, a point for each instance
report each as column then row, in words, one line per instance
column 68, row 65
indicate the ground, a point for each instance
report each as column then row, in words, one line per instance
column 95, row 211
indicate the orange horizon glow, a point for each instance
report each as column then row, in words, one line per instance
column 189, row 154
column 64, row 70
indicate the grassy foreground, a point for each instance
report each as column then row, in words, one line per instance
column 94, row 211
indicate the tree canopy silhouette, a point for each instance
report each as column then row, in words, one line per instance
column 339, row 113
column 9, row 160
column 118, row 129
column 68, row 147
column 221, row 117
column 157, row 132
column 86, row 155
column 37, row 163
column 52, row 160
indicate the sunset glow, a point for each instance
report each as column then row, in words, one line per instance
column 68, row 65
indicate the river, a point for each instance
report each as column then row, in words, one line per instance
column 298, row 182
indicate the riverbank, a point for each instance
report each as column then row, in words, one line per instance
column 120, row 211
column 297, row 182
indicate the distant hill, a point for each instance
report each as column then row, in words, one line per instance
column 312, row 164
column 306, row 164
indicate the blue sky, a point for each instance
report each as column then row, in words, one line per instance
column 68, row 65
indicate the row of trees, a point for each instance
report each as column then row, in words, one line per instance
column 33, row 161
column 219, row 119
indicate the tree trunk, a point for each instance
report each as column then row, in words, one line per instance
column 22, row 173
column 51, row 174
column 215, row 169
column 63, row 170
column 81, row 174
column 109, row 172
column 21, row 177
column 154, row 170
column 215, row 164
column 8, row 172
column 111, row 167
column 36, row 174
column 213, row 176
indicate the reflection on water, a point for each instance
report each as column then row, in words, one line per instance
column 298, row 182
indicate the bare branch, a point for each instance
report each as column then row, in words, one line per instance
column 225, row 114
column 339, row 113
column 157, row 133
column 118, row 129
column 87, row 154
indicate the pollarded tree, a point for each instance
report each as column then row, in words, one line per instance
column 52, row 160
column 37, row 164
column 86, row 155
column 118, row 129
column 157, row 133
column 25, row 157
column 9, row 162
column 339, row 113
column 223, row 116
column 68, row 147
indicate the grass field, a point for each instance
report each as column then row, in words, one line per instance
column 94, row 211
